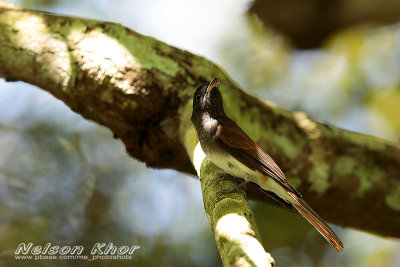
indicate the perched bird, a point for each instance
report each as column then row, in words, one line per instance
column 231, row 149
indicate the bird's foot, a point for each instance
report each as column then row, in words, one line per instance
column 237, row 189
column 230, row 178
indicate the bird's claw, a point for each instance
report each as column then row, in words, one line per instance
column 237, row 189
column 230, row 178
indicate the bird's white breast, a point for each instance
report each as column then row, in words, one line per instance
column 209, row 123
column 235, row 168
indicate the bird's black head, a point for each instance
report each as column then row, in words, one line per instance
column 208, row 100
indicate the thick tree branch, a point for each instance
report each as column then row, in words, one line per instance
column 141, row 89
column 231, row 219
column 309, row 23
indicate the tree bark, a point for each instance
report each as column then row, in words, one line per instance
column 309, row 23
column 141, row 89
column 231, row 218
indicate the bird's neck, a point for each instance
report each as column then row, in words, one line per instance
column 209, row 123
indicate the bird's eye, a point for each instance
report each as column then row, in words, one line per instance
column 198, row 96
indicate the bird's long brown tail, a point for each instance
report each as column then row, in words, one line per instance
column 312, row 217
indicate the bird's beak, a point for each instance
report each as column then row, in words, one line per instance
column 212, row 85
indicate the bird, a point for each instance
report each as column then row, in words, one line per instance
column 232, row 150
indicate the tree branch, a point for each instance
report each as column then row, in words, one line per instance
column 310, row 23
column 231, row 219
column 142, row 89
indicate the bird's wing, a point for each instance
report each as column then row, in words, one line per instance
column 244, row 149
column 240, row 146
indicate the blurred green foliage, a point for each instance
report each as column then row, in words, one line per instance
column 336, row 84
column 39, row 3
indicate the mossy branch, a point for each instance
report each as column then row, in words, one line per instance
column 141, row 89
column 231, row 219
